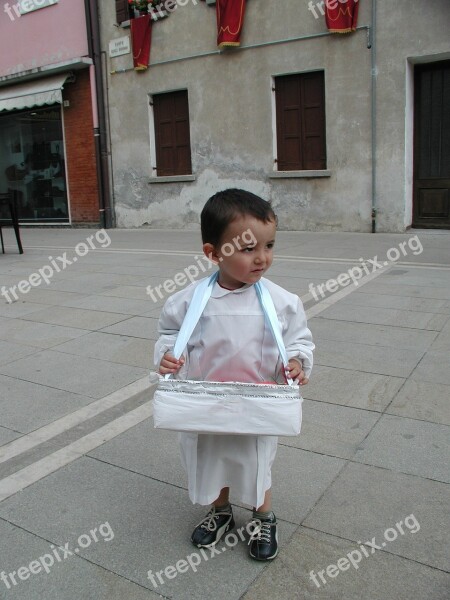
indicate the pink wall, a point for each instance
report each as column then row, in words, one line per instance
column 49, row 35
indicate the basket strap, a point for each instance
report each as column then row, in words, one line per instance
column 272, row 319
column 202, row 294
column 199, row 300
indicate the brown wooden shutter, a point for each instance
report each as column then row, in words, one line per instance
column 122, row 11
column 300, row 115
column 172, row 134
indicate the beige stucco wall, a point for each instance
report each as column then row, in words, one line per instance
column 230, row 103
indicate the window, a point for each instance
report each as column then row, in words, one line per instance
column 32, row 164
column 300, row 121
column 172, row 137
column 123, row 11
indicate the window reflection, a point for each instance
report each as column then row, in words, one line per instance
column 32, row 164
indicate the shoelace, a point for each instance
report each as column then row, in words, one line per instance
column 261, row 530
column 210, row 521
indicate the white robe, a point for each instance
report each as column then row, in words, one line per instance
column 232, row 342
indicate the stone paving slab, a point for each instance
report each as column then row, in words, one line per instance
column 141, row 327
column 330, row 429
column 442, row 342
column 114, row 348
column 380, row 576
column 425, row 305
column 39, row 335
column 151, row 521
column 26, row 406
column 434, row 367
column 110, row 304
column 68, row 579
column 85, row 376
column 365, row 501
column 75, row 317
column 398, row 362
column 386, row 316
column 133, row 292
column 6, row 435
column 9, row 352
column 422, row 400
column 327, row 328
column 409, row 446
column 46, row 296
column 19, row 309
column 352, row 388
column 398, row 289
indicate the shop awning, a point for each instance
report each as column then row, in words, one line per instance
column 33, row 93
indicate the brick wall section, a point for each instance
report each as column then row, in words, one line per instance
column 80, row 151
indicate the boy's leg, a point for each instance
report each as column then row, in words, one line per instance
column 223, row 499
column 218, row 521
column 264, row 537
column 267, row 504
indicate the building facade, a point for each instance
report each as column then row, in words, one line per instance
column 342, row 132
column 49, row 119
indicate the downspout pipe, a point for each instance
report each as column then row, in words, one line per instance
column 98, row 99
column 374, row 114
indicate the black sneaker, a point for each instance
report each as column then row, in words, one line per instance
column 210, row 529
column 263, row 538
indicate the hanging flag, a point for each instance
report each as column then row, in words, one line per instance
column 141, row 36
column 230, row 19
column 341, row 16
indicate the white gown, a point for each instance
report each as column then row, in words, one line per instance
column 233, row 343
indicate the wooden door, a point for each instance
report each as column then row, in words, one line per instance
column 432, row 146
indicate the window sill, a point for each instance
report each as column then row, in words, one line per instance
column 299, row 174
column 172, row 179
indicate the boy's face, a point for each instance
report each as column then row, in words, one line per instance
column 245, row 252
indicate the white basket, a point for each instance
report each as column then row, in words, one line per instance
column 227, row 408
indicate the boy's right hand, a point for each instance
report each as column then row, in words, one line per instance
column 169, row 364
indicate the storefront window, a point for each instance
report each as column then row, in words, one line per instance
column 32, row 164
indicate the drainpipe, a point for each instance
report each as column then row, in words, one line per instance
column 374, row 115
column 98, row 104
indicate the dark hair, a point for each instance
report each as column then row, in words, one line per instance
column 226, row 206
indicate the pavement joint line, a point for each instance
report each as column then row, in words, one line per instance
column 43, row 434
column 53, row 462
column 278, row 257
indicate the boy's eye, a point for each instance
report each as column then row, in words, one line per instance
column 271, row 245
column 248, row 249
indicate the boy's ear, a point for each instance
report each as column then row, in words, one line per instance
column 211, row 253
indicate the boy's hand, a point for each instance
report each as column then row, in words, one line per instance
column 296, row 372
column 169, row 364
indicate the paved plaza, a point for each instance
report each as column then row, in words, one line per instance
column 93, row 500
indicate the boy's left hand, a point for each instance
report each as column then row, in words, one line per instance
column 296, row 372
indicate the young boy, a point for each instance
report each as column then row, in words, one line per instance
column 232, row 342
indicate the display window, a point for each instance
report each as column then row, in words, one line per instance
column 32, row 164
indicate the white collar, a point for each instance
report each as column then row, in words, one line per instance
column 218, row 291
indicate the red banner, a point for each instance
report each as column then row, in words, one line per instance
column 230, row 19
column 341, row 16
column 141, row 37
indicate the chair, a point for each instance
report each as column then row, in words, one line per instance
column 7, row 201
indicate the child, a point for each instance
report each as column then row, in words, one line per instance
column 232, row 342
